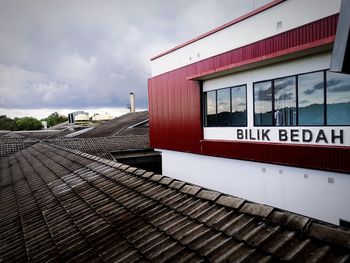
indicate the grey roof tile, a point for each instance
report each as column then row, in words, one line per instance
column 64, row 205
column 190, row 189
column 230, row 201
column 139, row 172
column 256, row 209
column 177, row 184
column 290, row 220
column 166, row 180
column 131, row 169
column 330, row 234
column 103, row 146
column 147, row 174
column 208, row 195
column 156, row 177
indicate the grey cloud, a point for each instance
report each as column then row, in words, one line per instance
column 265, row 94
column 342, row 88
column 316, row 87
column 334, row 82
column 93, row 53
column 281, row 84
column 304, row 102
column 223, row 104
column 287, row 96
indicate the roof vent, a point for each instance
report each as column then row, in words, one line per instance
column 132, row 102
column 279, row 25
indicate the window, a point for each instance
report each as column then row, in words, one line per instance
column 210, row 109
column 285, row 102
column 311, row 98
column 338, row 99
column 239, row 106
column 263, row 103
column 225, row 107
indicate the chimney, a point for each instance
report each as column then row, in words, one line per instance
column 132, row 102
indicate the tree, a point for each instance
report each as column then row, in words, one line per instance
column 28, row 124
column 54, row 119
column 7, row 123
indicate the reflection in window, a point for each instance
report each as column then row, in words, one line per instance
column 285, row 102
column 239, row 106
column 338, row 99
column 224, row 108
column 311, row 99
column 210, row 113
column 263, row 103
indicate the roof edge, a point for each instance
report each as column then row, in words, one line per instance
column 235, row 21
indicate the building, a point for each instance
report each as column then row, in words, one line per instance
column 82, row 119
column 72, row 116
column 101, row 117
column 252, row 109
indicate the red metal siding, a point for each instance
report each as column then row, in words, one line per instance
column 175, row 110
column 308, row 36
column 308, row 156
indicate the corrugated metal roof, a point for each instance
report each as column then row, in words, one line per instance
column 116, row 126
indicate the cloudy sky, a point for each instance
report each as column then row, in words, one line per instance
column 80, row 54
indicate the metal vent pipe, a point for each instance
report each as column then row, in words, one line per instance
column 132, row 102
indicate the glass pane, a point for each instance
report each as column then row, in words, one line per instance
column 239, row 106
column 210, row 108
column 285, row 102
column 263, row 103
column 311, row 99
column 338, row 99
column 224, row 107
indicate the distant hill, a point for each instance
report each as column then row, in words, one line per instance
column 337, row 114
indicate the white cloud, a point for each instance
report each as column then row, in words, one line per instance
column 77, row 70
column 16, row 85
column 44, row 112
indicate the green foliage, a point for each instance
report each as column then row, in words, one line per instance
column 7, row 123
column 54, row 119
column 28, row 124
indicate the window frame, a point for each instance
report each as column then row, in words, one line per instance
column 246, row 105
column 205, row 111
column 217, row 107
column 325, row 95
column 272, row 80
column 272, row 100
column 216, row 98
column 296, row 100
column 324, row 98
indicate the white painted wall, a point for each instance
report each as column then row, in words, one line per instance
column 302, row 191
column 292, row 13
column 292, row 67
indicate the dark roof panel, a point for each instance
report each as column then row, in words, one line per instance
column 102, row 146
column 120, row 125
